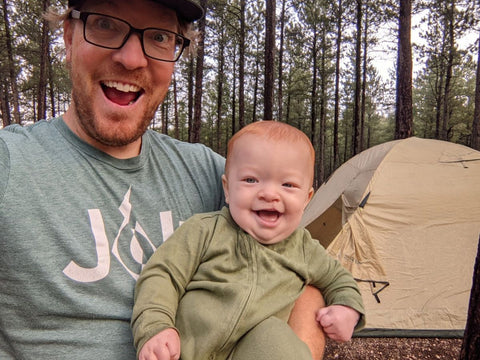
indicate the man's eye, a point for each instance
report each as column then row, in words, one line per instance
column 104, row 24
column 159, row 37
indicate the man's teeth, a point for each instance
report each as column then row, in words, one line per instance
column 121, row 86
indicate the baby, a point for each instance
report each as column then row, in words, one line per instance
column 225, row 278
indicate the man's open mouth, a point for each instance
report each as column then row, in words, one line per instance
column 120, row 93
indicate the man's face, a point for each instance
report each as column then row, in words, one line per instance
column 116, row 92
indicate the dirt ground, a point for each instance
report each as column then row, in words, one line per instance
column 394, row 349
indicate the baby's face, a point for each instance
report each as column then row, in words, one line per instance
column 268, row 186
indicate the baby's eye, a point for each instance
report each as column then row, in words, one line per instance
column 288, row 185
column 250, row 180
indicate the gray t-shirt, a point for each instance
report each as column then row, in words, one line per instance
column 76, row 227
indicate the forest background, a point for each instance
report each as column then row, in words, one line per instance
column 349, row 73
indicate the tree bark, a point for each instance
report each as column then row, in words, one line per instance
column 358, row 81
column 197, row 114
column 336, row 154
column 476, row 114
column 471, row 340
column 403, row 112
column 4, row 107
column 269, row 59
column 234, row 96
column 364, row 81
column 176, row 131
column 51, row 82
column 322, row 128
column 191, row 69
column 256, row 89
column 165, row 107
column 449, row 71
column 313, row 92
column 11, row 65
column 43, row 66
column 280, row 62
column 220, row 83
column 241, row 67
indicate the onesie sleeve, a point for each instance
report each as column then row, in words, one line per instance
column 164, row 279
column 336, row 283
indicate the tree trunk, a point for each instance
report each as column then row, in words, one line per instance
column 241, row 68
column 358, row 81
column 280, row 62
column 269, row 59
column 220, row 82
column 439, row 99
column 471, row 340
column 51, row 81
column 164, row 114
column 336, row 154
column 4, row 107
column 176, row 119
column 11, row 65
column 323, row 111
column 191, row 68
column 256, row 86
column 313, row 92
column 197, row 114
column 43, row 66
column 449, row 72
column 364, row 81
column 476, row 114
column 234, row 96
column 403, row 111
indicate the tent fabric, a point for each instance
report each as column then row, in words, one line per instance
column 404, row 218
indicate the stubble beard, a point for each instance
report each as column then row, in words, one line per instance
column 92, row 124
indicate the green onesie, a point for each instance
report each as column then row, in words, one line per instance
column 214, row 283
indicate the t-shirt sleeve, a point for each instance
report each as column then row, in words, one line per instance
column 4, row 168
column 209, row 168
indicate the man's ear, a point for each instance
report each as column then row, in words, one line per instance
column 68, row 38
column 225, row 187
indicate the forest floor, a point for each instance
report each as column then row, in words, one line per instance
column 394, row 349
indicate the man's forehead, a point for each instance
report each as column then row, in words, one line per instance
column 190, row 10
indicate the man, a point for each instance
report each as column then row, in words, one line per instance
column 86, row 198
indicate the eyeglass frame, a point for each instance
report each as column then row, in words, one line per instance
column 83, row 16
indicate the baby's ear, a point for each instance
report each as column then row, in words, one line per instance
column 225, row 187
column 309, row 197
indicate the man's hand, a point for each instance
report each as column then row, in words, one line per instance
column 338, row 321
column 163, row 346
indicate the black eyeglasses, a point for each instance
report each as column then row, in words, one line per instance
column 112, row 33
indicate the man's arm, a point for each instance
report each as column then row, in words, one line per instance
column 303, row 321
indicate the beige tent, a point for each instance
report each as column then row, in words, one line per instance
column 404, row 218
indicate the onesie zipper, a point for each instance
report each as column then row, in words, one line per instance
column 251, row 255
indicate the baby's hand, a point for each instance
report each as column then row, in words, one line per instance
column 163, row 346
column 338, row 321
